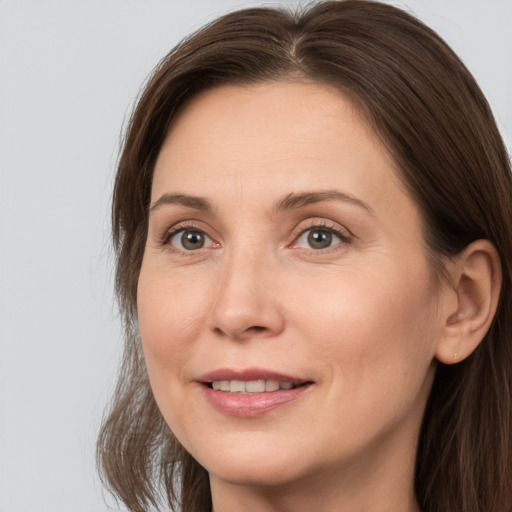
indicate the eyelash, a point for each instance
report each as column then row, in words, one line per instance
column 343, row 235
column 165, row 240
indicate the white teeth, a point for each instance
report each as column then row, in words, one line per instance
column 271, row 385
column 251, row 386
column 255, row 386
column 237, row 386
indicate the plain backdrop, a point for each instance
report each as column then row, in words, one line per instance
column 69, row 72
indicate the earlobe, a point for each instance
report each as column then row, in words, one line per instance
column 474, row 289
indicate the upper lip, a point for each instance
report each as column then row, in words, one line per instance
column 248, row 374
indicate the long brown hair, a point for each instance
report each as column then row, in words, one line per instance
column 437, row 125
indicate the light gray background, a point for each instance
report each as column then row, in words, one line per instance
column 69, row 72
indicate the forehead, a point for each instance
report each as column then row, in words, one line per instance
column 272, row 139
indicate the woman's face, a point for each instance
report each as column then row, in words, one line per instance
column 283, row 252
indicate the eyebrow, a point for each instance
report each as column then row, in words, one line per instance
column 197, row 203
column 291, row 201
column 299, row 200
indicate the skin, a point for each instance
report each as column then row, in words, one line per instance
column 363, row 318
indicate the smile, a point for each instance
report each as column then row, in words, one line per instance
column 251, row 386
column 251, row 392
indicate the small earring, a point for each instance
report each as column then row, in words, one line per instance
column 455, row 357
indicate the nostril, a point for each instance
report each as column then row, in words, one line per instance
column 247, row 333
column 256, row 328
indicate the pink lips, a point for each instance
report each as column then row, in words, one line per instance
column 254, row 404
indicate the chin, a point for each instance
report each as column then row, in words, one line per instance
column 252, row 466
column 255, row 474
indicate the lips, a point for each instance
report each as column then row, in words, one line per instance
column 251, row 392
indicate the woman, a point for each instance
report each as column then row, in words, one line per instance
column 312, row 217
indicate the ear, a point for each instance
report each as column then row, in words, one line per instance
column 470, row 302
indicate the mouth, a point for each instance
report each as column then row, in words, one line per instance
column 251, row 387
column 251, row 392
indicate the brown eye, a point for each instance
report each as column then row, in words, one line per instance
column 319, row 238
column 189, row 240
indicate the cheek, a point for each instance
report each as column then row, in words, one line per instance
column 373, row 336
column 370, row 323
column 170, row 315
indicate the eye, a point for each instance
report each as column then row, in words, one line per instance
column 317, row 238
column 190, row 239
column 320, row 237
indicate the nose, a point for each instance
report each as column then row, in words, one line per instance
column 246, row 303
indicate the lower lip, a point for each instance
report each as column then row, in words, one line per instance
column 255, row 404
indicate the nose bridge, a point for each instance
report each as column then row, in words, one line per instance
column 245, row 303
